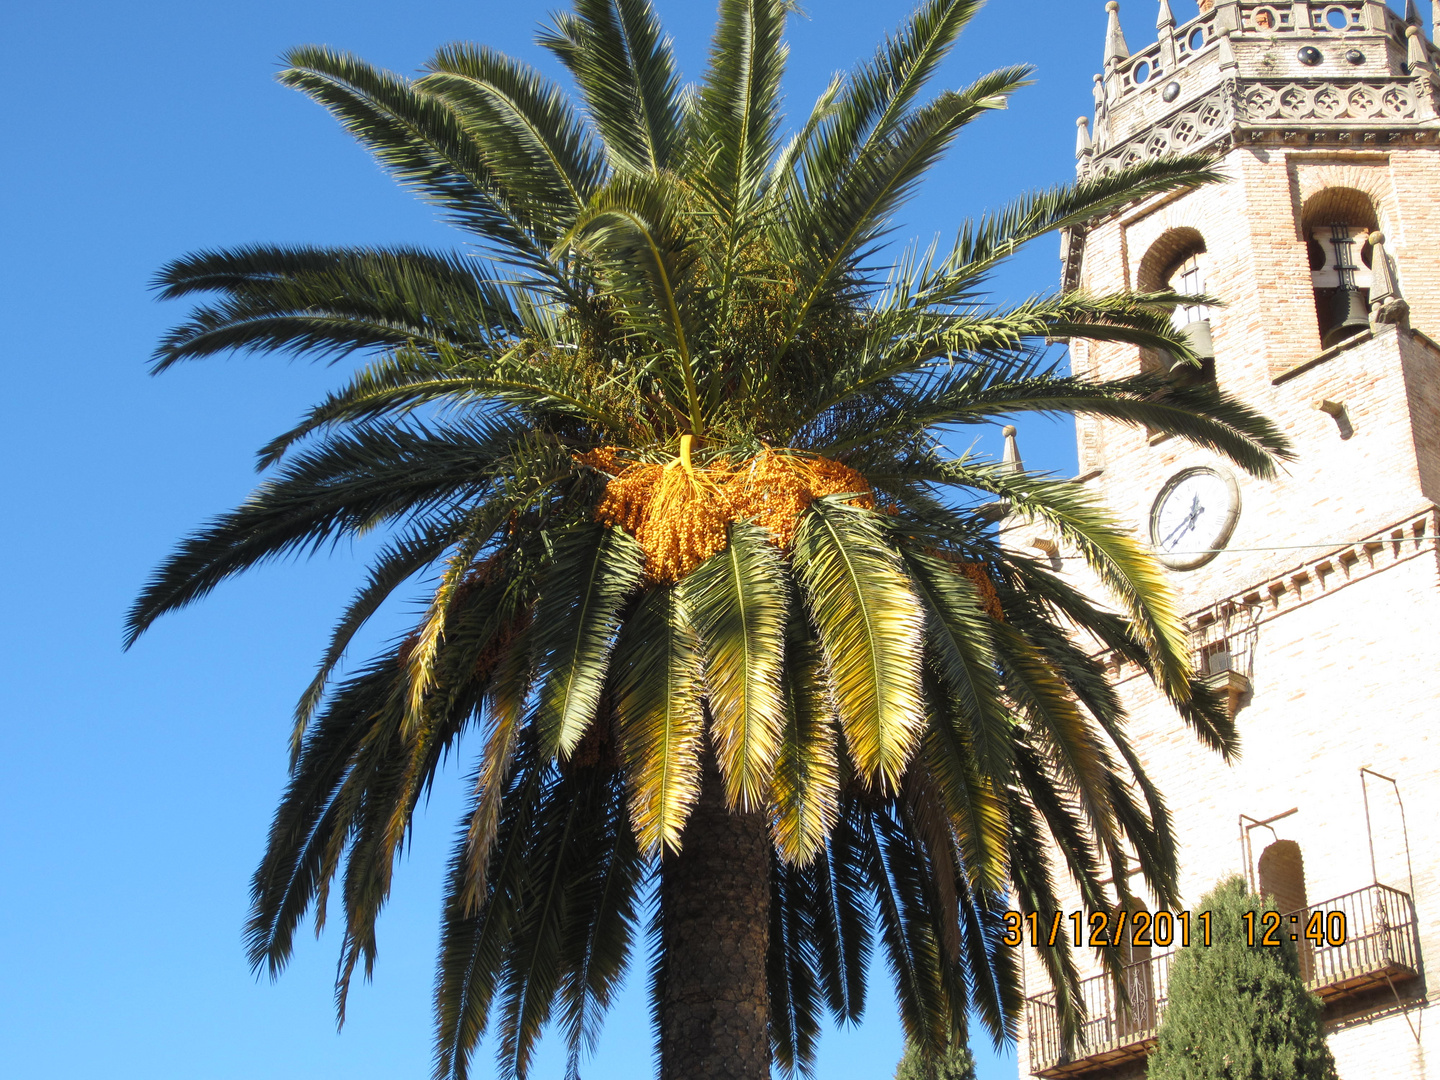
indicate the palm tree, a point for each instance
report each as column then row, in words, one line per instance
column 747, row 665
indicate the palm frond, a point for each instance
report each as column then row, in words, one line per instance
column 1072, row 748
column 597, row 944
column 625, row 68
column 870, row 626
column 739, row 101
column 371, row 476
column 907, row 931
column 659, row 684
column 330, row 302
column 962, row 652
column 401, row 559
column 971, row 799
column 539, row 148
column 842, row 223
column 844, row 920
column 1203, row 414
column 426, row 642
column 409, row 379
column 474, row 944
column 1120, row 561
column 593, row 571
column 579, row 837
column 740, row 604
column 308, row 830
column 632, row 230
column 421, row 140
column 981, row 245
column 504, row 706
column 805, row 789
column 879, row 93
column 791, row 976
column 992, row 967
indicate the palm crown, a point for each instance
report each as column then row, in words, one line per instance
column 670, row 453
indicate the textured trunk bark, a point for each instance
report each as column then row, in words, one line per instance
column 714, row 1015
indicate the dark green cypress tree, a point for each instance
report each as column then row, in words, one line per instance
column 956, row 1065
column 1238, row 1012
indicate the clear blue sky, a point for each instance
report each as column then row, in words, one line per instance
column 136, row 788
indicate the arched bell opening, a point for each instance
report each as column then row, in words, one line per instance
column 1337, row 224
column 1179, row 262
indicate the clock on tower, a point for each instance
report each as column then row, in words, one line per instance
column 1312, row 599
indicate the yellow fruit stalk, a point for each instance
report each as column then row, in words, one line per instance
column 680, row 513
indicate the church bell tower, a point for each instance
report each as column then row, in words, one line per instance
column 1313, row 600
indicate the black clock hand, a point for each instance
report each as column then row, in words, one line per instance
column 1189, row 523
column 1185, row 526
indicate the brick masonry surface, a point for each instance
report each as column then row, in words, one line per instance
column 1346, row 655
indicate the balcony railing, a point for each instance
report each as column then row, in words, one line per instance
column 1381, row 943
column 1112, row 1032
column 1380, row 947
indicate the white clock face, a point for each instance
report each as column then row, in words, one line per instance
column 1193, row 517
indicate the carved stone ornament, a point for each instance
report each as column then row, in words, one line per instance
column 1371, row 100
column 1394, row 312
column 1191, row 127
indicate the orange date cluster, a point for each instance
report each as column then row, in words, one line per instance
column 1164, row 929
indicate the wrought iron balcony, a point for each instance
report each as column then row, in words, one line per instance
column 1382, row 944
column 1112, row 1033
column 1381, row 947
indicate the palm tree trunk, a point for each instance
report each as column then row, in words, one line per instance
column 715, row 907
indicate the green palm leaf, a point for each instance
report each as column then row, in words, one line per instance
column 624, row 66
column 843, row 921
column 795, row 999
column 421, row 140
column 597, row 943
column 329, row 302
column 401, row 560
column 962, row 652
column 474, row 945
column 805, row 789
column 504, row 706
column 592, row 573
column 739, row 602
column 350, row 484
column 870, row 630
column 540, row 150
column 740, row 100
column 659, row 681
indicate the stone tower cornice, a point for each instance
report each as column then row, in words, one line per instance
column 1225, row 79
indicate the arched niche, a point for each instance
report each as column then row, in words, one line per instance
column 1336, row 223
column 1282, row 876
column 1282, row 883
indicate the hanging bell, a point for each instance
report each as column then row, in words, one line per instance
column 1349, row 316
column 1198, row 334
